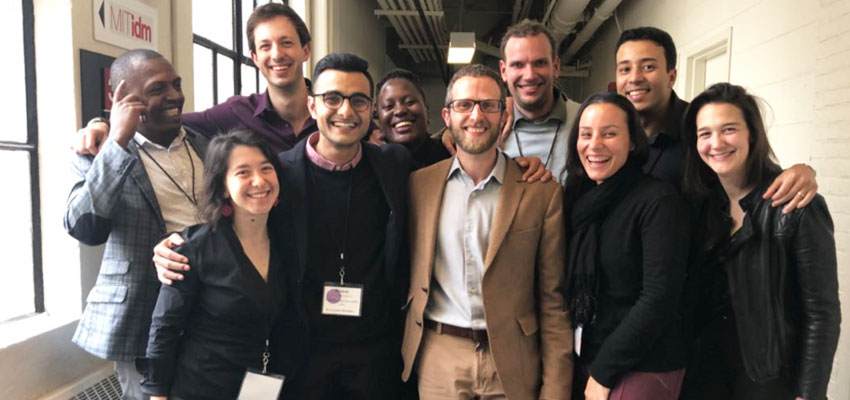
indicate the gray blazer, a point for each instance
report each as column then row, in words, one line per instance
column 113, row 202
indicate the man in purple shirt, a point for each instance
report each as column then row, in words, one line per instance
column 280, row 43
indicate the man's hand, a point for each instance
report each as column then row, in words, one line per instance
column 796, row 186
column 509, row 121
column 128, row 110
column 448, row 141
column 90, row 139
column 595, row 391
column 159, row 397
column 377, row 138
column 166, row 260
column 534, row 169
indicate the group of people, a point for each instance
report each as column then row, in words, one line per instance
column 321, row 255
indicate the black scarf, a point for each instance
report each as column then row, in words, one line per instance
column 586, row 215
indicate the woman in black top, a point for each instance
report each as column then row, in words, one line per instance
column 210, row 327
column 768, row 313
column 626, row 259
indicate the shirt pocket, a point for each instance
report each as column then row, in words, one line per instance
column 114, row 266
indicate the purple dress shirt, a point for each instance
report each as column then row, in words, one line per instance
column 254, row 113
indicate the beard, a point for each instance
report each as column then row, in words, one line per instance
column 475, row 145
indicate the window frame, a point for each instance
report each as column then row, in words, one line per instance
column 235, row 54
column 31, row 147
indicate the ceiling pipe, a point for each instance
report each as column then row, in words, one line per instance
column 563, row 17
column 602, row 13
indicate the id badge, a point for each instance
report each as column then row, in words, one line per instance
column 258, row 386
column 343, row 299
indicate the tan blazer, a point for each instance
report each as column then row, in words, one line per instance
column 530, row 335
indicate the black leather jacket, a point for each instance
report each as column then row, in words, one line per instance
column 783, row 286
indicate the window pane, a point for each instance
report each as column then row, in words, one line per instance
column 213, row 19
column 249, row 80
column 17, row 294
column 225, row 78
column 247, row 8
column 15, row 112
column 203, row 78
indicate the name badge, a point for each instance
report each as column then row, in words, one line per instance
column 342, row 299
column 258, row 386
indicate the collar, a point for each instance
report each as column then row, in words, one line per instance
column 497, row 173
column 675, row 115
column 558, row 111
column 142, row 141
column 264, row 103
column 326, row 164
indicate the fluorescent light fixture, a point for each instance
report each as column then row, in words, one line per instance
column 461, row 47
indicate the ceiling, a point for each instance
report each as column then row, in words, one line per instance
column 418, row 30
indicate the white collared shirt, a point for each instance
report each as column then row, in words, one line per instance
column 463, row 234
column 175, row 161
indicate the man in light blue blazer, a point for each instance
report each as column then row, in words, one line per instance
column 144, row 182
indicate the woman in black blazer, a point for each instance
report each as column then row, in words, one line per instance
column 626, row 259
column 768, row 314
column 208, row 328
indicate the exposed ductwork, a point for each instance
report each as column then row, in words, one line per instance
column 600, row 15
column 415, row 38
column 563, row 15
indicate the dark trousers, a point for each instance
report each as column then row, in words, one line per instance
column 716, row 369
column 349, row 371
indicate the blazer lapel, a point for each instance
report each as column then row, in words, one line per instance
column 294, row 164
column 427, row 211
column 509, row 198
column 140, row 176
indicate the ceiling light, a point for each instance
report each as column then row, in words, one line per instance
column 461, row 47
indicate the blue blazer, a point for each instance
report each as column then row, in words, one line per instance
column 113, row 202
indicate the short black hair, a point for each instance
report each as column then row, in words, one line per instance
column 652, row 34
column 477, row 71
column 400, row 73
column 126, row 63
column 215, row 170
column 270, row 11
column 346, row 62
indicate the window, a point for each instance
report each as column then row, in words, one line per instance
column 706, row 62
column 222, row 60
column 21, row 286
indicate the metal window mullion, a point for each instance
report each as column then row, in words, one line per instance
column 215, row 75
column 237, row 41
column 32, row 141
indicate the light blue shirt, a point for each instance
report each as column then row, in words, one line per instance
column 463, row 234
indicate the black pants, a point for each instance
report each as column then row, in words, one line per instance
column 716, row 369
column 349, row 371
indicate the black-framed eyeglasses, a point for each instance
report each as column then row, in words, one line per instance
column 466, row 105
column 334, row 99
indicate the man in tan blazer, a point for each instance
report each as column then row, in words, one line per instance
column 486, row 316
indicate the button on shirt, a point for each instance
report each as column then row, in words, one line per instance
column 177, row 210
column 463, row 235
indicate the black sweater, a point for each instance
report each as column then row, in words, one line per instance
column 643, row 251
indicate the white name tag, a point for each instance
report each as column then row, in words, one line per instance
column 577, row 339
column 342, row 299
column 257, row 386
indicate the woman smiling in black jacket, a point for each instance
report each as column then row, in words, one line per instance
column 768, row 315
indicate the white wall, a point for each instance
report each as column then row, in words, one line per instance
column 354, row 28
column 795, row 54
column 36, row 354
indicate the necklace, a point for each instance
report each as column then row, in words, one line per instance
column 551, row 146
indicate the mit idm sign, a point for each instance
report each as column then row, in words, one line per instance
column 125, row 23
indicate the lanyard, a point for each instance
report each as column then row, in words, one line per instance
column 551, row 147
column 192, row 199
column 340, row 244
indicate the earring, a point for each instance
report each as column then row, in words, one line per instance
column 226, row 210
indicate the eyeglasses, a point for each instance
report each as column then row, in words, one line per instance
column 466, row 105
column 334, row 99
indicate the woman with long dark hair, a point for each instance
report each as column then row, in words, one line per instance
column 626, row 259
column 768, row 313
column 208, row 328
